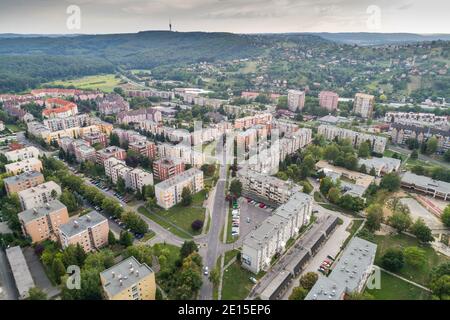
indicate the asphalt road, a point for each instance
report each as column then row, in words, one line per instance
column 218, row 214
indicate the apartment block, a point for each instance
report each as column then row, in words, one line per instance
column 43, row 222
column 166, row 168
column 129, row 136
column 271, row 237
column 135, row 116
column 418, row 119
column 363, row 105
column 151, row 127
column 382, row 165
column 248, row 122
column 328, row 100
column 112, row 104
column 145, row 148
column 57, row 124
column 23, row 181
column 27, row 165
column 59, row 108
column 377, row 143
column 137, row 178
column 400, row 133
column 168, row 193
column 22, row 154
column 151, row 93
column 129, row 280
column 296, row 100
column 96, row 138
column 185, row 153
column 246, row 139
column 134, row 178
column 90, row 231
column 39, row 195
column 110, row 152
column 267, row 189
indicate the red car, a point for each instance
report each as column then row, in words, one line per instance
column 261, row 205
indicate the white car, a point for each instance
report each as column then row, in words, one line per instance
column 206, row 271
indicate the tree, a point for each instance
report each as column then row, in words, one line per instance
column 114, row 140
column 372, row 172
column 298, row 293
column 54, row 194
column 351, row 203
column 446, row 217
column 236, row 188
column 334, row 194
column 391, row 182
column 308, row 280
column 414, row 154
column 447, row 155
column 325, row 185
column 440, row 281
column 363, row 168
column 126, row 239
column 121, row 186
column 422, row 231
column 214, row 276
column 415, row 257
column 111, row 238
column 186, row 196
column 374, row 217
column 331, row 152
column 69, row 200
column 188, row 248
column 141, row 252
column 36, row 294
column 432, row 145
column 197, row 225
column 364, row 150
column 392, row 260
column 58, row 269
column 400, row 221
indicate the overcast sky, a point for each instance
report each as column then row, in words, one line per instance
column 239, row 16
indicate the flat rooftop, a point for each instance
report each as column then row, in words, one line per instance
column 76, row 226
column 22, row 177
column 32, row 214
column 124, row 275
column 179, row 178
column 22, row 276
column 426, row 182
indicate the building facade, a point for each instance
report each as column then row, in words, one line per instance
column 23, row 181
column 328, row 100
column 27, row 165
column 296, row 100
column 39, row 195
column 166, row 168
column 363, row 105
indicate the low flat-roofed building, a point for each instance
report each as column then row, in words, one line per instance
column 23, row 181
column 39, row 195
column 90, row 231
column 434, row 188
column 129, row 280
column 382, row 165
column 19, row 267
column 349, row 274
column 41, row 223
column 22, row 154
column 26, row 165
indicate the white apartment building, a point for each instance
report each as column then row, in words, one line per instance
column 137, row 178
column 331, row 132
column 264, row 188
column 134, row 179
column 296, row 100
column 363, row 105
column 272, row 235
column 168, row 193
column 57, row 124
column 186, row 154
column 418, row 119
column 39, row 195
column 22, row 154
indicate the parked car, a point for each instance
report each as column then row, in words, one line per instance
column 248, row 220
column 206, row 271
column 252, row 279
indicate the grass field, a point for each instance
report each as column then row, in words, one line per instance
column 105, row 83
column 401, row 241
column 230, row 255
column 393, row 288
column 171, row 252
column 180, row 216
column 236, row 284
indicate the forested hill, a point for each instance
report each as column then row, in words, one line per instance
column 366, row 38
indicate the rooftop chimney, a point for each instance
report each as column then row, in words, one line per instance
column 75, row 224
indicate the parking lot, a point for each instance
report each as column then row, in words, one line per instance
column 252, row 213
column 418, row 211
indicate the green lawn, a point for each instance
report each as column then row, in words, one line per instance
column 230, row 255
column 236, row 284
column 401, row 241
column 105, row 83
column 13, row 127
column 180, row 216
column 172, row 252
column 393, row 288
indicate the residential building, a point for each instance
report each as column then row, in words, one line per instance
column 39, row 195
column 166, row 168
column 349, row 274
column 186, row 154
column 363, row 105
column 252, row 95
column 23, row 181
column 245, row 140
column 145, row 148
column 429, row 186
column 328, row 100
column 96, row 138
column 401, row 133
column 248, row 122
column 418, row 119
column 129, row 280
column 59, row 108
column 57, row 124
column 267, row 189
column 137, row 178
column 271, row 237
column 109, row 152
column 296, row 100
column 112, row 104
column 135, row 116
column 89, row 231
column 43, row 222
column 20, row 271
column 26, row 165
column 333, row 120
column 2, row 126
column 55, row 92
column 128, row 136
column 84, row 153
column 168, row 193
column 22, row 154
column 134, row 178
column 168, row 95
column 381, row 166
column 377, row 143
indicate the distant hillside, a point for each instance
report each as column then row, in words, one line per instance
column 365, row 39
